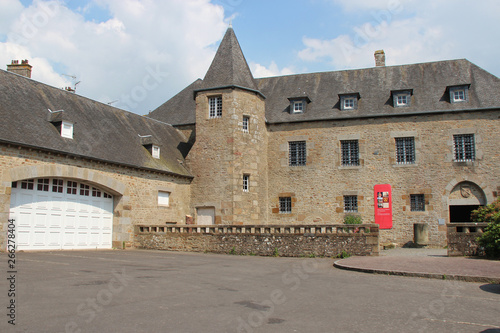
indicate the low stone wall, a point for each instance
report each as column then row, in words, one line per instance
column 264, row 240
column 462, row 239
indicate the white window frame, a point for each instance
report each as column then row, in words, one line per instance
column 67, row 130
column 459, row 95
column 298, row 106
column 163, row 198
column 402, row 100
column 155, row 151
column 246, row 124
column 246, row 183
column 215, row 107
column 348, row 103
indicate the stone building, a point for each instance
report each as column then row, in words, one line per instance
column 395, row 145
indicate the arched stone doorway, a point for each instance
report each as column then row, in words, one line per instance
column 464, row 198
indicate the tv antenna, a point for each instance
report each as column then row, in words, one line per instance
column 75, row 83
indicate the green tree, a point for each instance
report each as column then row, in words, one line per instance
column 490, row 239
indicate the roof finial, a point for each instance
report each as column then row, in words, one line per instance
column 231, row 23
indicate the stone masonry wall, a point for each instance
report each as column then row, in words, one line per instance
column 317, row 189
column 135, row 191
column 462, row 239
column 267, row 244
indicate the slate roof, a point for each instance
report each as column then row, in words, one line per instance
column 428, row 82
column 101, row 132
column 229, row 67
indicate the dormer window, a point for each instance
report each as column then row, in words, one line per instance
column 298, row 104
column 298, row 107
column 155, row 151
column 67, row 130
column 349, row 101
column 459, row 94
column 401, row 98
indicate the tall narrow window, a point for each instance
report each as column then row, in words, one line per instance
column 285, row 205
column 350, row 152
column 246, row 124
column 463, row 147
column 297, row 153
column 350, row 203
column 246, row 183
column 215, row 107
column 417, row 202
column 405, row 150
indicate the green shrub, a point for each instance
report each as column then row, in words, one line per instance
column 352, row 219
column 343, row 254
column 490, row 239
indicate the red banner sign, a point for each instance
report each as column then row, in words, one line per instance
column 383, row 206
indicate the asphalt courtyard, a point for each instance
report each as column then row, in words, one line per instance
column 156, row 291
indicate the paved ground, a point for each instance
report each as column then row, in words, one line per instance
column 425, row 263
column 154, row 291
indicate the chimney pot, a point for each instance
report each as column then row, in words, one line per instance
column 23, row 69
column 379, row 58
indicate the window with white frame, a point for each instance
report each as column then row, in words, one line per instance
column 348, row 103
column 405, row 150
column 297, row 153
column 350, row 152
column 285, row 205
column 463, row 147
column 350, row 203
column 246, row 183
column 298, row 107
column 246, row 124
column 417, row 202
column 402, row 100
column 458, row 93
column 163, row 198
column 67, row 130
column 155, row 151
column 215, row 107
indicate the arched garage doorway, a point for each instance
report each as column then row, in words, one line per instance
column 57, row 213
column 464, row 198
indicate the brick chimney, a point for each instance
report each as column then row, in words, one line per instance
column 22, row 68
column 379, row 58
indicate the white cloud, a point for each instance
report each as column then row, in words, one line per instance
column 411, row 32
column 259, row 70
column 147, row 49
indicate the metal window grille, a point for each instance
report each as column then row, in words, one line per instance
column 417, row 202
column 297, row 154
column 246, row 183
column 285, row 205
column 463, row 147
column 350, row 152
column 215, row 107
column 350, row 203
column 405, row 150
column 245, row 125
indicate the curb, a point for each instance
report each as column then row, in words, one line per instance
column 464, row 278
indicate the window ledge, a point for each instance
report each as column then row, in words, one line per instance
column 346, row 167
column 401, row 165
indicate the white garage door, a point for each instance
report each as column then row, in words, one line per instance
column 61, row 214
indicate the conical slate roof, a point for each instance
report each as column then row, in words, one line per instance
column 229, row 67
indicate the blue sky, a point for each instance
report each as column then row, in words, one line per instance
column 136, row 54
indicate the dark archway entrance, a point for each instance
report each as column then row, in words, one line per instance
column 464, row 198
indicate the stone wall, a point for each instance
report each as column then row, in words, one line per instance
column 288, row 241
column 317, row 189
column 135, row 191
column 462, row 239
